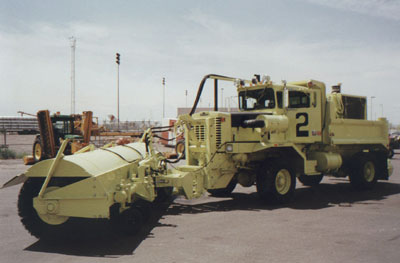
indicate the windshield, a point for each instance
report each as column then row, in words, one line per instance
column 257, row 99
column 62, row 126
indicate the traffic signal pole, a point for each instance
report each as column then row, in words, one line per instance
column 118, row 63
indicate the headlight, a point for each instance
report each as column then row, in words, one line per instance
column 229, row 148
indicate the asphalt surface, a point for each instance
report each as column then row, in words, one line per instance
column 327, row 223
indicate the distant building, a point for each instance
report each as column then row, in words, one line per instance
column 187, row 110
column 129, row 126
column 22, row 125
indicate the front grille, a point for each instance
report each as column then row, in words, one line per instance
column 200, row 132
column 218, row 132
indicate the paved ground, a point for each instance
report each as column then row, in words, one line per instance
column 329, row 223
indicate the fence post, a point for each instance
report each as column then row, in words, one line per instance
column 5, row 137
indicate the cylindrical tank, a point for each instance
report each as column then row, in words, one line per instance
column 326, row 161
column 279, row 123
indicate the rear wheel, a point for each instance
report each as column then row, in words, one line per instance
column 37, row 150
column 363, row 174
column 310, row 180
column 276, row 183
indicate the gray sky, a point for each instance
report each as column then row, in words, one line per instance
column 349, row 41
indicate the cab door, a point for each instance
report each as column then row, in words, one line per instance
column 304, row 113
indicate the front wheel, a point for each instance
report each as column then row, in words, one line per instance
column 363, row 174
column 276, row 183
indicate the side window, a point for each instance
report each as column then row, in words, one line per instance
column 298, row 99
column 354, row 107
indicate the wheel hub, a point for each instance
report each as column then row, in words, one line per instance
column 38, row 151
column 369, row 171
column 51, row 216
column 283, row 181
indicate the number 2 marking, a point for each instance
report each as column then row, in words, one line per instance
column 300, row 133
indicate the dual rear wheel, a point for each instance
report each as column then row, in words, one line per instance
column 364, row 173
column 276, row 181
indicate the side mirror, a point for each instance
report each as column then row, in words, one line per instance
column 314, row 98
column 285, row 95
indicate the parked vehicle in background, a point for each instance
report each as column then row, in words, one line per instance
column 394, row 143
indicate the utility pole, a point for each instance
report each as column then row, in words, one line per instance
column 118, row 63
column 163, row 112
column 73, row 45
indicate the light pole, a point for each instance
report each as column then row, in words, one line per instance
column 73, row 45
column 228, row 102
column 382, row 110
column 372, row 97
column 118, row 62
column 163, row 112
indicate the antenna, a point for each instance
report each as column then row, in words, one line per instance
column 73, row 45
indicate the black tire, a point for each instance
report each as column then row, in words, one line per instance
column 163, row 194
column 145, row 208
column 363, row 173
column 130, row 221
column 311, row 180
column 29, row 217
column 276, row 183
column 180, row 149
column 390, row 153
column 224, row 192
column 37, row 150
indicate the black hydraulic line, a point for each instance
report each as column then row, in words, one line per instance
column 174, row 161
column 200, row 90
column 159, row 137
column 161, row 127
column 158, row 131
column 134, row 150
column 119, row 155
column 215, row 95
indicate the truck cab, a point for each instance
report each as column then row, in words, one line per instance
column 299, row 101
